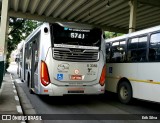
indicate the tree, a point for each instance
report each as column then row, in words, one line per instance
column 19, row 30
column 112, row 34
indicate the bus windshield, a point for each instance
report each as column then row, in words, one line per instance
column 72, row 36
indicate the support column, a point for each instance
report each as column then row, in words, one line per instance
column 6, row 44
column 133, row 12
column 3, row 30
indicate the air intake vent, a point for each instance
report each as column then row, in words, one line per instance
column 66, row 54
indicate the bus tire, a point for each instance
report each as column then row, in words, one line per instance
column 125, row 92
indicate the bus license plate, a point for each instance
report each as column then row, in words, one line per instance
column 76, row 77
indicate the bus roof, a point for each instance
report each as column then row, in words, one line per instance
column 141, row 32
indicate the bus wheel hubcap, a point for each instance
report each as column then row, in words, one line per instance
column 124, row 93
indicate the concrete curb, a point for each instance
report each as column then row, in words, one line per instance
column 18, row 105
column 27, row 107
column 1, row 89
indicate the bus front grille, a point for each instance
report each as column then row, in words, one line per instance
column 66, row 54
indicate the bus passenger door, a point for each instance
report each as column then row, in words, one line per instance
column 35, row 59
column 32, row 63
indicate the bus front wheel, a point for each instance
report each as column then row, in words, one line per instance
column 125, row 92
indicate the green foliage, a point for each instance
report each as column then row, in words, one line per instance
column 19, row 30
column 112, row 34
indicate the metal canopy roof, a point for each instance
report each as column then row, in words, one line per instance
column 112, row 17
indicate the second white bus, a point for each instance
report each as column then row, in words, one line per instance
column 133, row 63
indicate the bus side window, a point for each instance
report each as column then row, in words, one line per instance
column 152, row 54
column 137, row 48
column 36, row 56
column 123, row 50
column 134, row 56
column 118, row 52
column 28, row 53
column 154, row 50
column 132, row 46
column 116, row 56
column 142, row 48
column 141, row 55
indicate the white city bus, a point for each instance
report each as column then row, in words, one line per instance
column 65, row 58
column 133, row 62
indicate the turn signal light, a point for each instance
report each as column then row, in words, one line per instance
column 45, row 80
column 103, row 76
